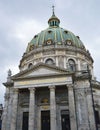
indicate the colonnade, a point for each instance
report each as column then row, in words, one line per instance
column 52, row 108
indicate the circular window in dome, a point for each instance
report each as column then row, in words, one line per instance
column 49, row 42
column 49, row 31
column 68, row 42
column 66, row 31
column 49, row 61
column 31, row 47
column 35, row 36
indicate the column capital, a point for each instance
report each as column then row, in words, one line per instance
column 52, row 87
column 32, row 89
column 70, row 86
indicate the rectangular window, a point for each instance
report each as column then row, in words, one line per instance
column 45, row 120
column 25, row 121
column 97, row 117
column 65, row 120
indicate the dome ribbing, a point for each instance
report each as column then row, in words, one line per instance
column 54, row 35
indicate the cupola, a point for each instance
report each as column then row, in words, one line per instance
column 53, row 21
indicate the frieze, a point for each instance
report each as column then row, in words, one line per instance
column 48, row 52
column 44, row 81
column 38, row 55
column 70, row 52
column 61, row 52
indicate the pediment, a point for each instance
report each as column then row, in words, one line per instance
column 40, row 70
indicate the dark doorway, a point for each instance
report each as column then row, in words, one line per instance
column 65, row 120
column 25, row 121
column 45, row 120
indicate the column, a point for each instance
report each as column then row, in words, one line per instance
column 14, row 110
column 52, row 108
column 32, row 109
column 90, row 110
column 73, row 123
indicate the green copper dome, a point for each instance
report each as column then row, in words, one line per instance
column 54, row 35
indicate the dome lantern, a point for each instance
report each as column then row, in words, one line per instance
column 53, row 21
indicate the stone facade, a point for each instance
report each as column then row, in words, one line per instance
column 54, row 90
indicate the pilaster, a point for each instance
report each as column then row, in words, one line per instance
column 14, row 110
column 72, row 114
column 90, row 109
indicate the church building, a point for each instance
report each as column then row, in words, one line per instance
column 55, row 88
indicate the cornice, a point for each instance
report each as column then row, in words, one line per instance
column 41, row 76
column 55, row 47
column 95, row 84
column 8, row 84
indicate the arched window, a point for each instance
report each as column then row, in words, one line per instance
column 49, row 61
column 30, row 66
column 72, row 65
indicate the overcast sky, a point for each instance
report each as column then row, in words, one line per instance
column 20, row 20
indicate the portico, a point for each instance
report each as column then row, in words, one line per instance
column 44, row 101
column 45, row 108
column 47, row 99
